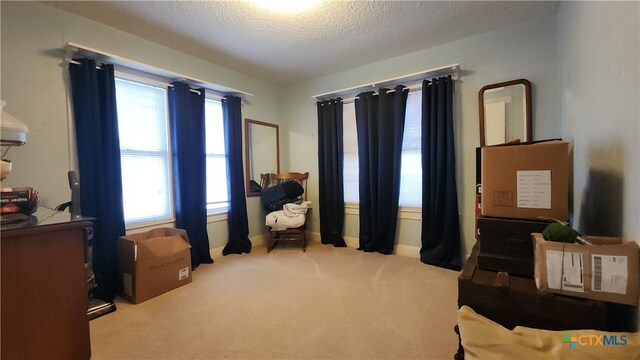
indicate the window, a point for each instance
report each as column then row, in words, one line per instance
column 411, row 169
column 144, row 151
column 217, row 193
column 350, row 165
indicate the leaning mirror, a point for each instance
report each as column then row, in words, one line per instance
column 505, row 112
column 262, row 152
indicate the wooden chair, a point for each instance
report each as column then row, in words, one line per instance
column 296, row 234
column 264, row 180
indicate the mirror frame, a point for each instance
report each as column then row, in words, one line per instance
column 247, row 153
column 527, row 111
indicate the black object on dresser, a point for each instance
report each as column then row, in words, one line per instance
column 515, row 301
column 505, row 244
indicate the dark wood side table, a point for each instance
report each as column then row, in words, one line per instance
column 515, row 301
column 44, row 291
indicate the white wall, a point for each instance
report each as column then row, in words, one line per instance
column 599, row 88
column 33, row 84
column 522, row 51
column 598, row 57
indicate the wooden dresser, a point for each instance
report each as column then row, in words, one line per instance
column 44, row 289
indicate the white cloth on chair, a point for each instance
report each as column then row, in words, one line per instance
column 292, row 216
column 295, row 209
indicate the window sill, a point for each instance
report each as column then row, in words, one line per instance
column 351, row 209
column 145, row 226
column 142, row 226
column 404, row 212
column 217, row 217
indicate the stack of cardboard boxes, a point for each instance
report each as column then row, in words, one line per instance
column 524, row 187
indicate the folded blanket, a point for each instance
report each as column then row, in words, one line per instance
column 279, row 221
column 296, row 209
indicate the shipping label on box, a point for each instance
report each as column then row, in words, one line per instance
column 607, row 271
column 534, row 189
column 183, row 273
column 565, row 270
column 526, row 181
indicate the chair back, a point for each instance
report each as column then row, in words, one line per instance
column 264, row 180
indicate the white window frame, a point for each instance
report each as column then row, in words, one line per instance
column 404, row 212
column 152, row 221
column 414, row 95
column 217, row 214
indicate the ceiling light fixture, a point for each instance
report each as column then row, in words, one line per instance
column 286, row 6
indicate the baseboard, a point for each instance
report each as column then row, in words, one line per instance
column 352, row 242
column 408, row 251
column 216, row 252
column 258, row 240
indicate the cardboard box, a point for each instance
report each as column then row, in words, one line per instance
column 608, row 270
column 526, row 181
column 152, row 263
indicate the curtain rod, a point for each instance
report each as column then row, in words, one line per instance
column 71, row 48
column 163, row 83
column 354, row 98
column 453, row 69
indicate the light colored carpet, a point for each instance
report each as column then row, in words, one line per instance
column 327, row 303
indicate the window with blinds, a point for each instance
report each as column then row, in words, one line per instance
column 350, row 171
column 144, row 151
column 217, row 192
column 411, row 167
column 411, row 170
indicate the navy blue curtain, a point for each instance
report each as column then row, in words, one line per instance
column 380, row 128
column 440, row 224
column 237, row 216
column 186, row 121
column 96, row 124
column 330, row 157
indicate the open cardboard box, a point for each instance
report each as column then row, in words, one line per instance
column 152, row 263
column 609, row 270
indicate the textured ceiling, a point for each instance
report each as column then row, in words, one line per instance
column 284, row 49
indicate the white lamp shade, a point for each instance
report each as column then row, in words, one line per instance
column 12, row 130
